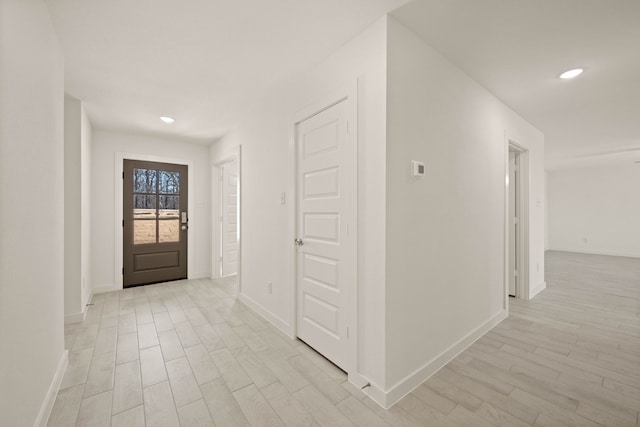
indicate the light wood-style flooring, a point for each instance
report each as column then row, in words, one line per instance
column 189, row 354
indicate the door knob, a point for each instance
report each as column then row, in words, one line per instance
column 184, row 227
column 298, row 242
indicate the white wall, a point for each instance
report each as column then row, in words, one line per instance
column 267, row 170
column 595, row 209
column 77, row 151
column 105, row 146
column 72, row 210
column 32, row 355
column 445, row 232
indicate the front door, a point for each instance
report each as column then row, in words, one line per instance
column 326, row 254
column 155, row 222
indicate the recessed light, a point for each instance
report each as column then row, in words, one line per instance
column 571, row 73
column 167, row 119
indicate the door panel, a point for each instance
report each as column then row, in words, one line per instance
column 154, row 215
column 323, row 264
column 230, row 244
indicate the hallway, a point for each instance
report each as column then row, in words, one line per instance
column 188, row 353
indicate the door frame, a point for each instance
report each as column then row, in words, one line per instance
column 117, row 224
column 522, row 162
column 347, row 93
column 216, row 238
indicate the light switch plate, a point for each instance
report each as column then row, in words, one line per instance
column 417, row 168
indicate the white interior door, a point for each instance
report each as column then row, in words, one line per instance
column 229, row 219
column 513, row 222
column 325, row 252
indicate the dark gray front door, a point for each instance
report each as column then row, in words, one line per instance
column 155, row 222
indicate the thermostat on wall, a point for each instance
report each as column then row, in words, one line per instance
column 417, row 168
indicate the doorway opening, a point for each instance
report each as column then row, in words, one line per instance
column 517, row 222
column 229, row 224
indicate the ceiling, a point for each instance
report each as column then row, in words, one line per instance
column 204, row 61
column 518, row 48
column 199, row 61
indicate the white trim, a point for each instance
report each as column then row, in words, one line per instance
column 348, row 93
column 377, row 394
column 358, row 380
column 537, row 289
column 89, row 298
column 597, row 252
column 118, row 191
column 52, row 393
column 524, row 183
column 266, row 314
column 75, row 317
column 200, row 275
column 413, row 380
column 100, row 289
column 81, row 315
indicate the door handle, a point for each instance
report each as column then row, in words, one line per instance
column 184, row 227
column 298, row 242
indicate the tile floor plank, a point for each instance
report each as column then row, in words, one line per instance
column 159, row 408
column 152, row 366
column 324, row 383
column 222, row 405
column 234, row 376
column 66, row 407
column 195, row 414
column 127, row 390
column 322, row 410
column 127, row 348
column 100, row 378
column 203, row 367
column 359, row 414
column 568, row 357
column 286, row 406
column 254, row 368
column 130, row 418
column 95, row 411
column 170, row 345
column 163, row 321
column 256, row 408
column 78, row 368
column 183, row 384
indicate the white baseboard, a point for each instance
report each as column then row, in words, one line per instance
column 89, row 298
column 105, row 288
column 598, row 252
column 377, row 394
column 410, row 382
column 269, row 317
column 80, row 316
column 75, row 317
column 536, row 290
column 202, row 275
column 358, row 380
column 50, row 398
